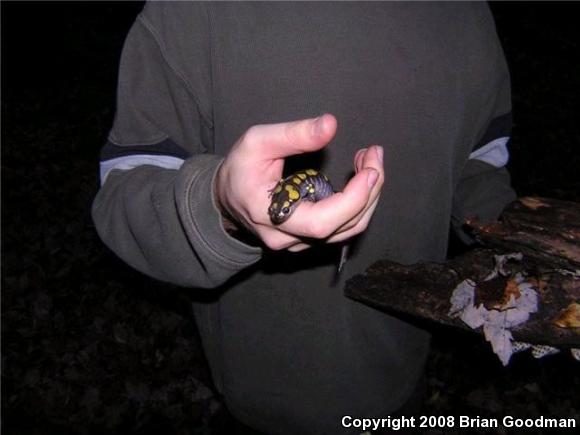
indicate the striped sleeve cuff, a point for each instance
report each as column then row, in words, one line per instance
column 492, row 148
column 165, row 154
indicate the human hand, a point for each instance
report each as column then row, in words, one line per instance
column 254, row 166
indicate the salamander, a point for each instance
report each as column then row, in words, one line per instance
column 307, row 185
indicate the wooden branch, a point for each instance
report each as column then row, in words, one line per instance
column 546, row 231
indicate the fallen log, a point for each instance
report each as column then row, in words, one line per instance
column 545, row 231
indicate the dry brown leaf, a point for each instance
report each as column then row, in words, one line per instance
column 569, row 317
column 533, row 202
column 511, row 289
column 494, row 301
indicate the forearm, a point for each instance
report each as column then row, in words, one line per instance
column 165, row 223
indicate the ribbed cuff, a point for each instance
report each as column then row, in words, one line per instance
column 200, row 211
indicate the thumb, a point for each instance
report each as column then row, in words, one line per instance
column 278, row 141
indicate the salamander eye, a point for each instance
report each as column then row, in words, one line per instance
column 285, row 210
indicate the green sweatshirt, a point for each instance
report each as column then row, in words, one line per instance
column 428, row 81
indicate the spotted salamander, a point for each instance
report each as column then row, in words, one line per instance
column 307, row 185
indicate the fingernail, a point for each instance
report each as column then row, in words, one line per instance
column 380, row 153
column 318, row 126
column 372, row 178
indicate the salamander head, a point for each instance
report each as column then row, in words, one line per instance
column 280, row 210
column 285, row 197
column 308, row 185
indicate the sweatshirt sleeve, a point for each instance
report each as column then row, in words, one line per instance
column 484, row 188
column 156, row 208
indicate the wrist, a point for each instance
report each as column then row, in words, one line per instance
column 227, row 220
column 236, row 230
column 230, row 224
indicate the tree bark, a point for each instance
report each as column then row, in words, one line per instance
column 545, row 231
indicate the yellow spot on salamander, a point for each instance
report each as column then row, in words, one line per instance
column 286, row 204
column 278, row 188
column 292, row 192
column 274, row 205
column 311, row 172
column 302, row 175
column 296, row 180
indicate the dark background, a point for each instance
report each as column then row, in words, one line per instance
column 90, row 346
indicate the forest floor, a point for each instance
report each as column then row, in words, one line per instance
column 89, row 346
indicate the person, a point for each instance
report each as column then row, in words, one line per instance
column 404, row 106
